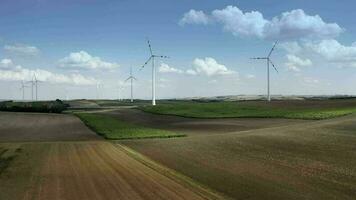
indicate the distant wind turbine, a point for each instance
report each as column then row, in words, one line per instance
column 131, row 78
column 36, row 81
column 32, row 84
column 98, row 86
column 152, row 57
column 268, row 60
column 23, row 86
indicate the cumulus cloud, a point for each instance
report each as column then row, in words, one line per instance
column 329, row 50
column 164, row 68
column 83, row 60
column 209, row 67
column 22, row 49
column 194, row 17
column 333, row 51
column 240, row 23
column 294, row 63
column 293, row 24
column 14, row 72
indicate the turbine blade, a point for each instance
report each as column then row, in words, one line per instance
column 161, row 56
column 146, row 63
column 273, row 66
column 258, row 58
column 270, row 53
column 128, row 78
column 149, row 46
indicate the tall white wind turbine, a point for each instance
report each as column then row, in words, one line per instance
column 131, row 78
column 269, row 61
column 152, row 58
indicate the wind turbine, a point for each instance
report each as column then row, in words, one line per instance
column 32, row 84
column 98, row 85
column 36, row 81
column 152, row 58
column 131, row 78
column 23, row 86
column 268, row 60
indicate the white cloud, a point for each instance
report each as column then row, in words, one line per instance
column 250, row 76
column 16, row 73
column 291, row 47
column 190, row 72
column 83, row 60
column 294, row 63
column 6, row 63
column 239, row 23
column 293, row 24
column 194, row 17
column 311, row 80
column 329, row 50
column 210, row 67
column 22, row 49
column 333, row 51
column 164, row 68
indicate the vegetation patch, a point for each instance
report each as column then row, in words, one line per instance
column 6, row 158
column 39, row 106
column 113, row 129
column 256, row 109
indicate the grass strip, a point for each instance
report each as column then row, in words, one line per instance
column 114, row 129
column 236, row 110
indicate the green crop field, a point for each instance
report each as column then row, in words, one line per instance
column 308, row 109
column 114, row 129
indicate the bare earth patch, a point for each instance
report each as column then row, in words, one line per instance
column 29, row 127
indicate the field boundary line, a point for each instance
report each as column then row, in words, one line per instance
column 185, row 181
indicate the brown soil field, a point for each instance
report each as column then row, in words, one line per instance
column 310, row 160
column 88, row 170
column 194, row 126
column 24, row 127
column 55, row 156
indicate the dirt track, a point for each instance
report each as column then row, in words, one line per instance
column 81, row 166
column 193, row 126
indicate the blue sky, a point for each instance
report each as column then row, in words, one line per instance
column 74, row 44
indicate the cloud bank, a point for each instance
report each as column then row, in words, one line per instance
column 11, row 72
column 294, row 24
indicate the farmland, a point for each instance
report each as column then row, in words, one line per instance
column 51, row 156
column 297, row 109
column 313, row 160
column 261, row 157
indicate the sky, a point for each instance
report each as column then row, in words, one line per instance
column 85, row 48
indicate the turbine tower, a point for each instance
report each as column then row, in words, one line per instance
column 268, row 60
column 131, row 78
column 152, row 58
column 23, row 86
column 32, row 84
column 36, row 81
